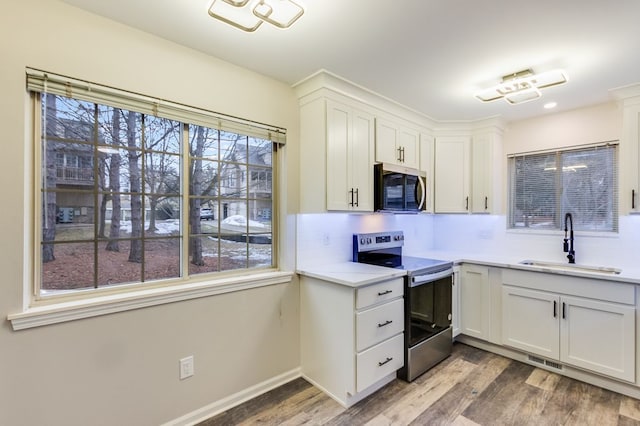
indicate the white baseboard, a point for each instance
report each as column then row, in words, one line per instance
column 231, row 401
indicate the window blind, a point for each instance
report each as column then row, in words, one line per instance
column 46, row 82
column 583, row 181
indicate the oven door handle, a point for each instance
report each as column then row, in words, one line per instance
column 425, row 279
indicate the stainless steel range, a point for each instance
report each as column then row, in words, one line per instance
column 427, row 296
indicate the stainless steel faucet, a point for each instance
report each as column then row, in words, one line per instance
column 568, row 242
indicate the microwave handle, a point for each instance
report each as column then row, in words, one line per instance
column 424, row 193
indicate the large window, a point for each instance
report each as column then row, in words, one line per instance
column 129, row 195
column 545, row 186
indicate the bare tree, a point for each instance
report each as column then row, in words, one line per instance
column 133, row 155
column 114, row 184
column 49, row 212
column 196, row 183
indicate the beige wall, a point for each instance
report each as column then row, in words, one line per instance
column 123, row 368
column 582, row 126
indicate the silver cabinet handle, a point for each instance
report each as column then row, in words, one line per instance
column 381, row 363
column 357, row 198
column 382, row 293
column 387, row 322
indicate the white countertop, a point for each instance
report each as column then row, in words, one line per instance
column 629, row 275
column 359, row 274
column 352, row 274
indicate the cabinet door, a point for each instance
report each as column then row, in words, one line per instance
column 599, row 336
column 338, row 139
column 397, row 145
column 361, row 161
column 475, row 301
column 481, row 174
column 426, row 166
column 530, row 321
column 452, row 175
column 455, row 302
column 409, row 147
column 349, row 164
column 387, row 135
column 630, row 157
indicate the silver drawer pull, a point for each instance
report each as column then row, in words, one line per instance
column 381, row 363
column 387, row 322
column 382, row 293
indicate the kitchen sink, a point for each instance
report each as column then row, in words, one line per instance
column 572, row 267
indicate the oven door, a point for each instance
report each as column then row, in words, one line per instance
column 428, row 306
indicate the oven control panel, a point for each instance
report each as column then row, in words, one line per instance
column 377, row 240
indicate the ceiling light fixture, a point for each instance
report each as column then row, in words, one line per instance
column 248, row 15
column 522, row 86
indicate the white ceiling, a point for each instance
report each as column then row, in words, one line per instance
column 430, row 55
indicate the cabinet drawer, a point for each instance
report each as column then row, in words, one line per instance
column 380, row 292
column 379, row 361
column 379, row 323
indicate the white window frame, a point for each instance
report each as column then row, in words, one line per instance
column 122, row 298
column 558, row 189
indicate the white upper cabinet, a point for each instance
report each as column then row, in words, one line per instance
column 427, row 168
column 452, row 174
column 336, row 156
column 486, row 173
column 349, row 166
column 630, row 156
column 468, row 173
column 396, row 144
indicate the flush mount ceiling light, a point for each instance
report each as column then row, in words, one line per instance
column 248, row 15
column 522, row 86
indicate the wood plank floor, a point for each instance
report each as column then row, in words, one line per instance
column 471, row 387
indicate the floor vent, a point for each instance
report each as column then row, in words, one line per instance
column 536, row 359
column 552, row 364
column 545, row 362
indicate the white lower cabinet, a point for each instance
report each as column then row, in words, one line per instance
column 475, row 301
column 352, row 339
column 596, row 335
column 379, row 361
column 455, row 301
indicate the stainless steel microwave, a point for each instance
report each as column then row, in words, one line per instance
column 398, row 189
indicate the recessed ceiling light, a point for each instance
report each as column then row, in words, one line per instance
column 550, row 105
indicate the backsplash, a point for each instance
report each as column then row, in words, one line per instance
column 327, row 238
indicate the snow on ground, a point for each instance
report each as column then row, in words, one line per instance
column 238, row 220
column 163, row 227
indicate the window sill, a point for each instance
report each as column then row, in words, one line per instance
column 92, row 307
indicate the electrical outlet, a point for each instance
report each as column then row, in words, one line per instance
column 187, row 368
